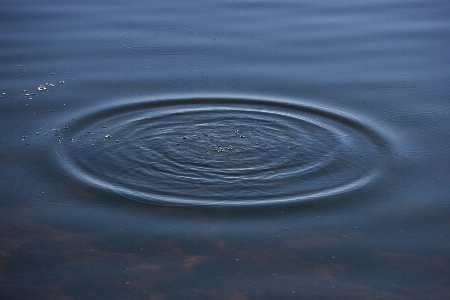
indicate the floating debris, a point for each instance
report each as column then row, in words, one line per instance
column 41, row 88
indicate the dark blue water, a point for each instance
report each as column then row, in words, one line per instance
column 224, row 150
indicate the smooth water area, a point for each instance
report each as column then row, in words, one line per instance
column 225, row 150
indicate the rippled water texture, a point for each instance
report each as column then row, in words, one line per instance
column 222, row 151
column 229, row 149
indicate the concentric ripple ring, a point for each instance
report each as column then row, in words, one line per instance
column 222, row 151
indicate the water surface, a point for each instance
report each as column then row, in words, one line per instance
column 224, row 150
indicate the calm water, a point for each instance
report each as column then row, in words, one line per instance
column 225, row 150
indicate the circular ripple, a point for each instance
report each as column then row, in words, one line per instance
column 417, row 137
column 186, row 70
column 408, row 101
column 427, row 221
column 157, row 38
column 193, row 69
column 213, row 151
